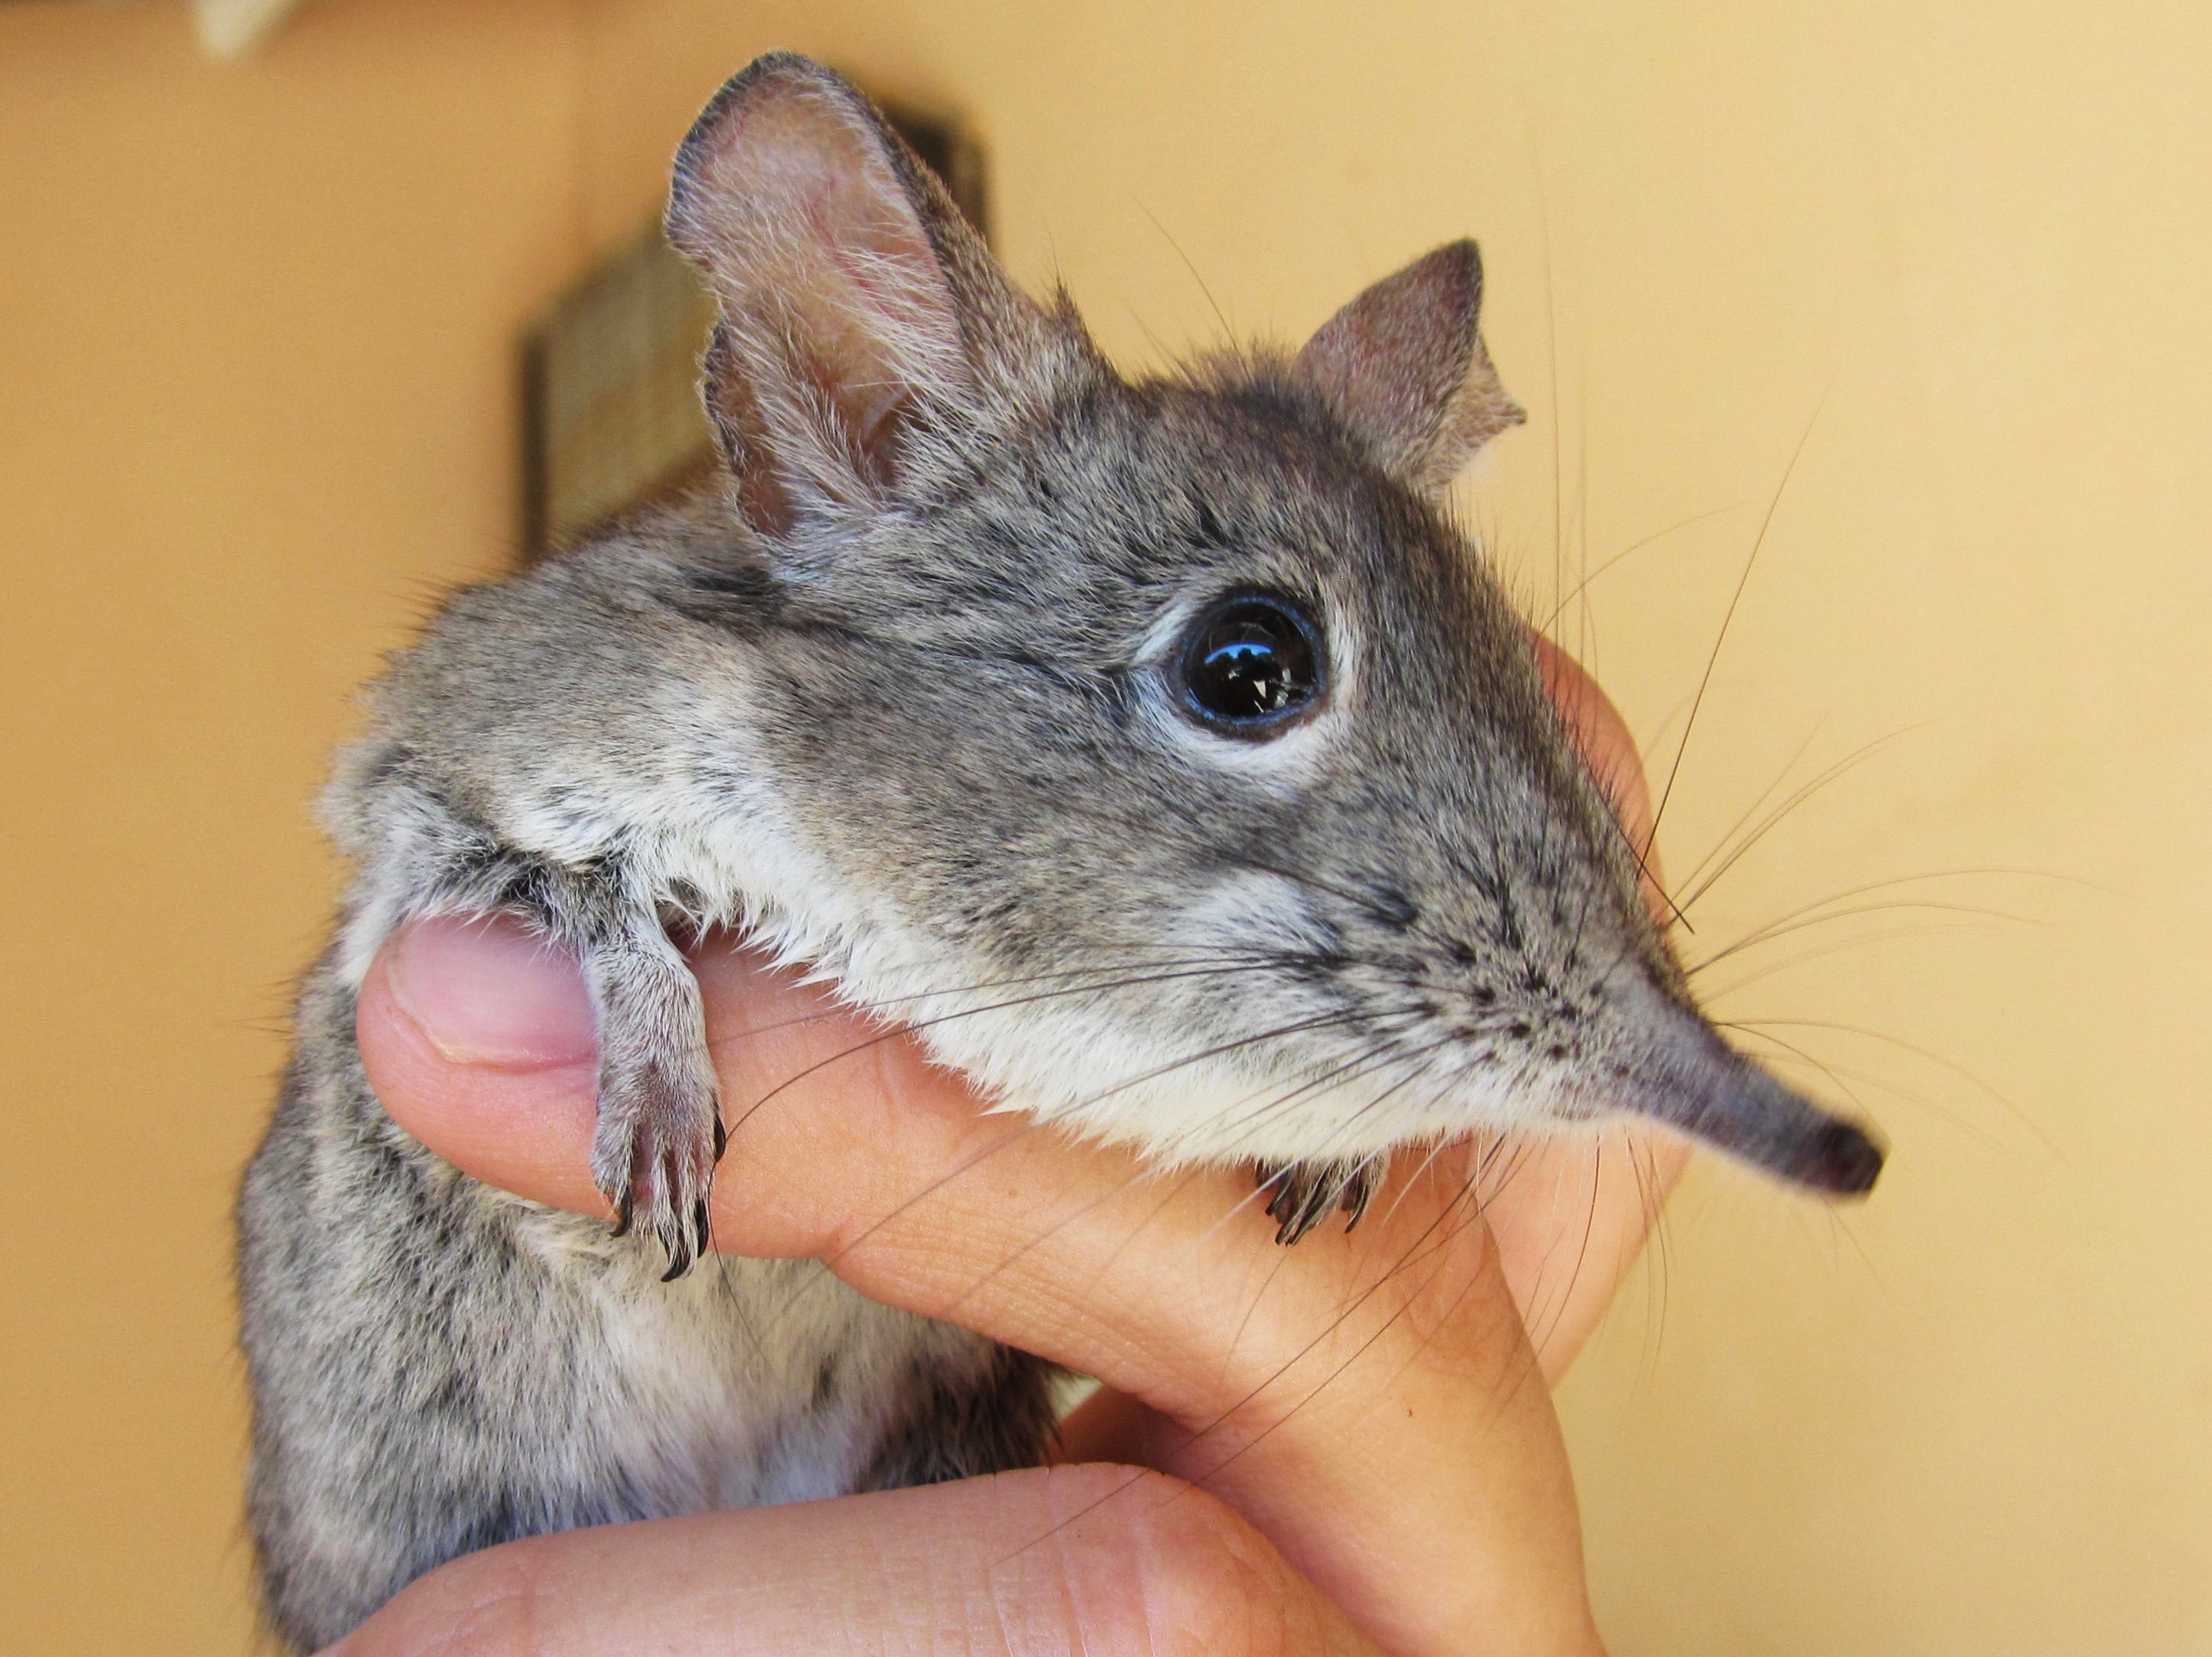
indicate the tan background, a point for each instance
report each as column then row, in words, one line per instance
column 256, row 402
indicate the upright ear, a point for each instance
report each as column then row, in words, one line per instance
column 1404, row 367
column 866, row 333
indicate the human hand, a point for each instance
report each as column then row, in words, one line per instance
column 1357, row 1443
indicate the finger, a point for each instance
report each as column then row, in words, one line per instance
column 845, row 1145
column 523, row 1068
column 1571, row 1217
column 1031, row 1562
column 1608, row 748
column 1310, row 1386
column 1573, row 1223
column 479, row 1039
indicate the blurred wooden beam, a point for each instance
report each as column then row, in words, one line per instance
column 231, row 28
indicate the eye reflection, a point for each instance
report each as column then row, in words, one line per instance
column 1252, row 664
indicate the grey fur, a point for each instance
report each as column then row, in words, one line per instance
column 901, row 700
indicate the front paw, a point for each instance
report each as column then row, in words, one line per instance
column 653, row 1156
column 1303, row 1194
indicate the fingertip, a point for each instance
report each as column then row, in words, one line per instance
column 468, row 1035
column 782, row 1036
column 490, row 994
column 1608, row 748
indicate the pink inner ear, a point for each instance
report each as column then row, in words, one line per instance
column 811, row 234
column 1404, row 367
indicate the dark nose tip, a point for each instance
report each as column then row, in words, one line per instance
column 1695, row 1081
column 1841, row 1158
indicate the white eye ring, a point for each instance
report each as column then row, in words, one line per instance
column 1285, row 759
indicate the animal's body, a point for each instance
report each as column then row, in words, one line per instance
column 986, row 667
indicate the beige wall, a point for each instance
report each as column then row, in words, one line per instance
column 254, row 368
column 255, row 398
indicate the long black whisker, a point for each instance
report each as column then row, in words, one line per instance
column 1979, row 1082
column 1635, row 546
column 1862, row 941
column 1543, row 1320
column 1173, row 1191
column 1641, row 855
column 1753, row 809
column 1420, row 1250
column 946, row 1179
column 1657, row 1259
column 1200, row 1434
column 1784, row 928
column 1840, row 1075
column 1803, row 1057
column 1376, row 910
column 1212, row 304
column 1584, row 645
column 1337, row 1018
column 895, row 1031
column 1419, row 1057
column 1250, row 1108
column 1674, row 771
column 1222, row 956
column 1867, row 887
column 1419, row 1173
column 942, row 1180
column 1842, row 768
column 1552, row 370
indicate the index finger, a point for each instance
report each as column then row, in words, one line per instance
column 954, row 1564
column 1367, row 1401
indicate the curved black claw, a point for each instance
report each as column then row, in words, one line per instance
column 683, row 1233
column 1306, row 1193
column 653, row 1158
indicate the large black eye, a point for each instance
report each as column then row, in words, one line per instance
column 1251, row 665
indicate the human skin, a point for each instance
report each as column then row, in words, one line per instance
column 1344, row 1447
